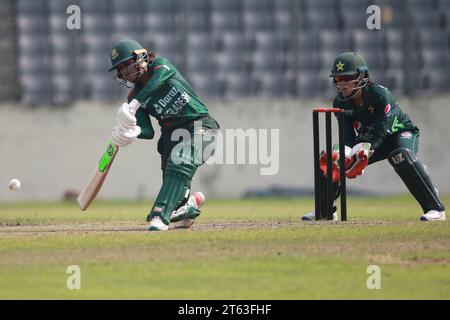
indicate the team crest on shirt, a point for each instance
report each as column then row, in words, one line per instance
column 387, row 109
column 371, row 109
column 357, row 125
column 406, row 135
column 114, row 53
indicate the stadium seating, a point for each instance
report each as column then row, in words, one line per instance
column 252, row 21
column 236, row 85
column 231, row 62
column 229, row 6
column 234, row 42
column 224, row 22
column 337, row 40
column 394, row 79
column 284, row 18
column 166, row 7
column 434, row 82
column 307, row 85
column 204, row 86
column 270, row 84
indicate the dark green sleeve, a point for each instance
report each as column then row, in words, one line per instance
column 381, row 125
column 161, row 70
column 143, row 121
column 349, row 133
column 379, row 133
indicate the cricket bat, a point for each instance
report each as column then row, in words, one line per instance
column 94, row 184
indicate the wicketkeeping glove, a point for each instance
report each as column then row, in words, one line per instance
column 335, row 170
column 360, row 159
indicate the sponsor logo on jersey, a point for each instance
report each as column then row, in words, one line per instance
column 171, row 103
column 178, row 104
column 406, row 135
column 387, row 109
column 168, row 97
column 396, row 125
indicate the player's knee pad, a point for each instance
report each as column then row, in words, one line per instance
column 186, row 152
column 183, row 170
column 401, row 157
column 176, row 182
column 180, row 175
column 416, row 178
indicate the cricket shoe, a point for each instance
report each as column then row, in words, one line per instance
column 433, row 215
column 156, row 224
column 311, row 216
column 184, row 216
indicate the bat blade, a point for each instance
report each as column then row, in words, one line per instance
column 93, row 186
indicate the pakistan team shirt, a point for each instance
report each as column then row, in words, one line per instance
column 379, row 117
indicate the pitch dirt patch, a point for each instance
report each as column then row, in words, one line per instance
column 107, row 227
column 7, row 230
column 386, row 259
column 130, row 227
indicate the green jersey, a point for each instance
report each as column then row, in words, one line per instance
column 168, row 97
column 380, row 116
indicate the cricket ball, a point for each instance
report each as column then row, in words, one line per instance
column 14, row 185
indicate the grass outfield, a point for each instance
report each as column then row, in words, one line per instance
column 238, row 249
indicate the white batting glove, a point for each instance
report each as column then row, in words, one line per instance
column 126, row 117
column 123, row 137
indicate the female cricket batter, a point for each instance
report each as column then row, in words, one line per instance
column 377, row 129
column 159, row 90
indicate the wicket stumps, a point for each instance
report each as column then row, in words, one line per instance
column 324, row 201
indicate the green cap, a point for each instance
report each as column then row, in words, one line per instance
column 348, row 63
column 123, row 51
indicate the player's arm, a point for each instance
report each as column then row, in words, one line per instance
column 383, row 118
column 349, row 133
column 161, row 71
column 126, row 130
column 144, row 122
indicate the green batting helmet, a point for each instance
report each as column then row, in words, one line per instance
column 348, row 63
column 125, row 50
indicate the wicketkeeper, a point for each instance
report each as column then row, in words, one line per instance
column 188, row 132
column 377, row 129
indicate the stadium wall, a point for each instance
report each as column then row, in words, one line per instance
column 54, row 151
